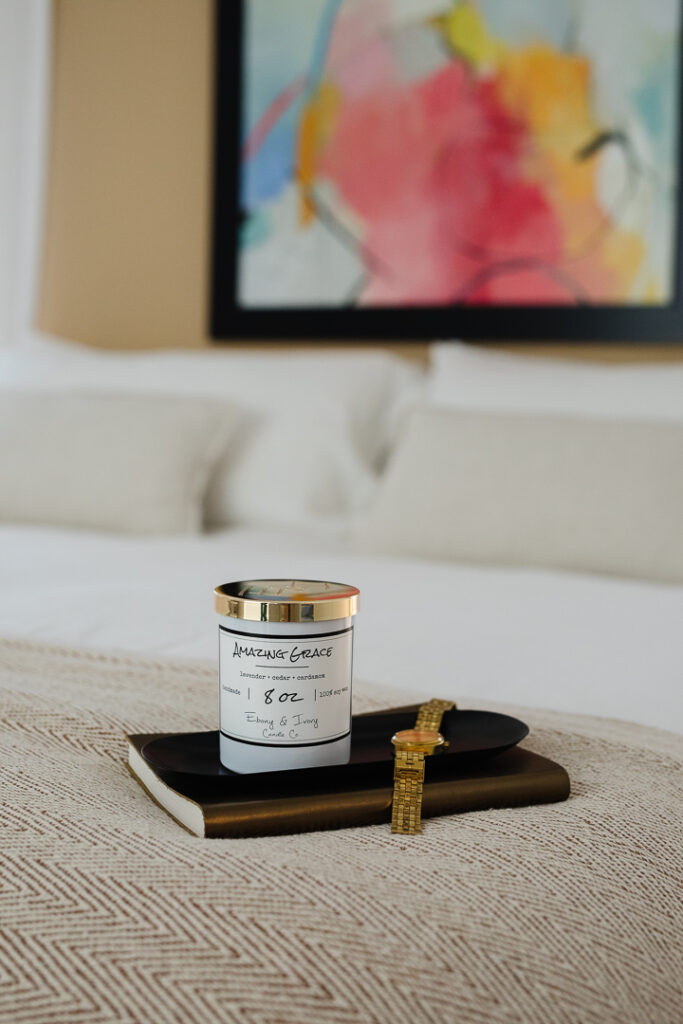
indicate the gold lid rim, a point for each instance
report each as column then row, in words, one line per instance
column 314, row 609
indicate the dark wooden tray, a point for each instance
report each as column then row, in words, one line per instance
column 471, row 736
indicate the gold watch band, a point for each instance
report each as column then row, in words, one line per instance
column 406, row 809
column 409, row 766
column 430, row 714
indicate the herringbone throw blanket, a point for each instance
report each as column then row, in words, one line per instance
column 563, row 914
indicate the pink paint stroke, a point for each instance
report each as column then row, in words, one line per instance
column 272, row 114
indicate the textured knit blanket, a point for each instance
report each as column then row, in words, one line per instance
column 569, row 913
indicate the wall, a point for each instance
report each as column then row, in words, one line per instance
column 25, row 50
column 126, row 258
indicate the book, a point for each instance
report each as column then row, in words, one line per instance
column 236, row 806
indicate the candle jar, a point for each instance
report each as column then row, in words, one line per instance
column 285, row 655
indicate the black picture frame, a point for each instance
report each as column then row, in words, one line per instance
column 582, row 323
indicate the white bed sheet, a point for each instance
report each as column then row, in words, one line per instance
column 548, row 639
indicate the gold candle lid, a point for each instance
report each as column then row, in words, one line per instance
column 286, row 600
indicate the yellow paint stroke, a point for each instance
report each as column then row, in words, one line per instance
column 653, row 294
column 466, row 32
column 550, row 93
column 315, row 127
column 623, row 253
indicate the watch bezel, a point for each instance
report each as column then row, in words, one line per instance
column 425, row 740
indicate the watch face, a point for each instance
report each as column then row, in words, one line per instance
column 418, row 739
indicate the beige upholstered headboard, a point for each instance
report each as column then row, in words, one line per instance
column 126, row 242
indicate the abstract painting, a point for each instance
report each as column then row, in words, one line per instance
column 439, row 154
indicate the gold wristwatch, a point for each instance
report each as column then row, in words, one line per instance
column 411, row 746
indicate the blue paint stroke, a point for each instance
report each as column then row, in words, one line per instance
column 271, row 169
column 322, row 45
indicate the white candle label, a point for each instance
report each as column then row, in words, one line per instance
column 285, row 690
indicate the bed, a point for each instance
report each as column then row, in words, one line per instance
column 111, row 912
column 306, row 471
column 550, row 639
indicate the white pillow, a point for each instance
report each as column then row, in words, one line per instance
column 474, row 377
column 129, row 463
column 283, row 471
column 319, row 424
column 587, row 495
column 369, row 389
